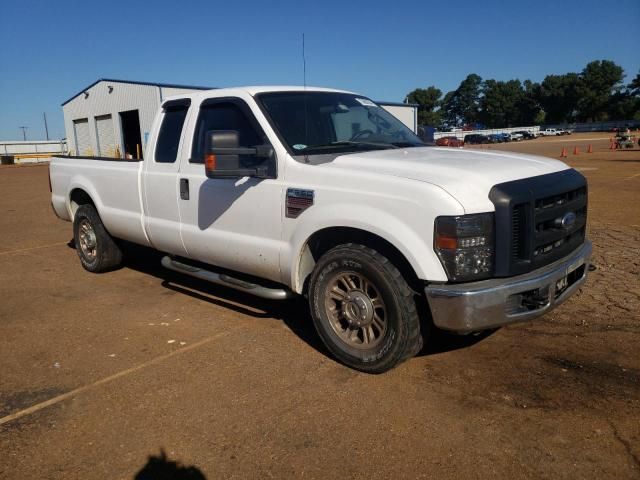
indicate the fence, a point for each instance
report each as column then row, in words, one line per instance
column 574, row 127
column 489, row 131
column 597, row 126
column 33, row 148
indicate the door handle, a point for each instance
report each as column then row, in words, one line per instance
column 184, row 188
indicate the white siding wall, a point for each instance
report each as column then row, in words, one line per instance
column 123, row 97
column 146, row 99
column 406, row 114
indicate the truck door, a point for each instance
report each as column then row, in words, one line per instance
column 160, row 179
column 233, row 223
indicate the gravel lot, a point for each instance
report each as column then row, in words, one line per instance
column 100, row 373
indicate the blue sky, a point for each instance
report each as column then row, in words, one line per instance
column 50, row 50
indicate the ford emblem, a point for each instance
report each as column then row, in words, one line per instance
column 568, row 220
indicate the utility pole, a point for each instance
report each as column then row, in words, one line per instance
column 24, row 133
column 46, row 128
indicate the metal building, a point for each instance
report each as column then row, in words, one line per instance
column 113, row 118
column 407, row 113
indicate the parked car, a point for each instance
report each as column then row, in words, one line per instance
column 450, row 141
column 369, row 225
column 495, row 138
column 515, row 136
column 476, row 138
column 526, row 135
column 549, row 132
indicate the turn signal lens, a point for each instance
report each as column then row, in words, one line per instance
column 210, row 162
column 446, row 242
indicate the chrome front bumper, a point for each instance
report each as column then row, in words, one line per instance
column 470, row 307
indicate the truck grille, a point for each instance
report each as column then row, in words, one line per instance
column 538, row 220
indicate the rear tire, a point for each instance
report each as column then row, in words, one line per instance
column 363, row 309
column 97, row 250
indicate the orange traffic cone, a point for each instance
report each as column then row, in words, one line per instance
column 563, row 154
column 576, row 151
column 590, row 149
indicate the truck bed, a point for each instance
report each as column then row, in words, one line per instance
column 113, row 184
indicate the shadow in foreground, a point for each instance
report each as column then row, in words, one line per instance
column 442, row 342
column 161, row 468
column 294, row 312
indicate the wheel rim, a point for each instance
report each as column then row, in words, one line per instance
column 356, row 310
column 87, row 237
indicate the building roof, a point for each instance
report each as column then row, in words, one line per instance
column 252, row 90
column 257, row 89
column 133, row 82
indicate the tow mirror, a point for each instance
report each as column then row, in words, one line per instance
column 222, row 156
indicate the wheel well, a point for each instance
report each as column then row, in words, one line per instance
column 78, row 198
column 324, row 240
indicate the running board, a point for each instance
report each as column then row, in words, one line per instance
column 226, row 280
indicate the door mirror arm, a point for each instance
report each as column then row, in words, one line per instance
column 222, row 156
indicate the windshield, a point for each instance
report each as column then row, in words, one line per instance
column 327, row 122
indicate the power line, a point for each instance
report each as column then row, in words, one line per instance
column 46, row 127
column 24, row 133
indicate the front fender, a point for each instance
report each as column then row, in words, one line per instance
column 413, row 243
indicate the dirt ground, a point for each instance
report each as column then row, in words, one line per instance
column 99, row 374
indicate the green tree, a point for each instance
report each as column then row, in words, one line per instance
column 447, row 111
column 634, row 86
column 528, row 106
column 599, row 80
column 558, row 96
column 501, row 103
column 462, row 105
column 428, row 100
column 624, row 104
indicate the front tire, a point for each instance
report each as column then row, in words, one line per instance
column 363, row 309
column 97, row 250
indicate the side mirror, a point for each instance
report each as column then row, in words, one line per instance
column 222, row 156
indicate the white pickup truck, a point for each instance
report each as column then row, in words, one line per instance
column 282, row 191
column 549, row 132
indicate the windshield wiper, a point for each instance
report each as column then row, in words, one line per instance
column 347, row 143
column 408, row 144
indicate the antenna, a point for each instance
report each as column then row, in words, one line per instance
column 24, row 133
column 304, row 64
column 304, row 80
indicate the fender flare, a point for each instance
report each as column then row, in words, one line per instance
column 79, row 182
column 402, row 236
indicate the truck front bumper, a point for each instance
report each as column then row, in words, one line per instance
column 470, row 307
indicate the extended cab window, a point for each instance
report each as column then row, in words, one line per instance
column 170, row 131
column 223, row 116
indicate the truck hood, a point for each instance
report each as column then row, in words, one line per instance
column 467, row 175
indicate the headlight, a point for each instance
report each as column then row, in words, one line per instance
column 465, row 245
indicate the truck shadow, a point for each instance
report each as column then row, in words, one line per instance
column 294, row 313
column 160, row 467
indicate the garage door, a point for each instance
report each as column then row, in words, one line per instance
column 83, row 139
column 106, row 136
